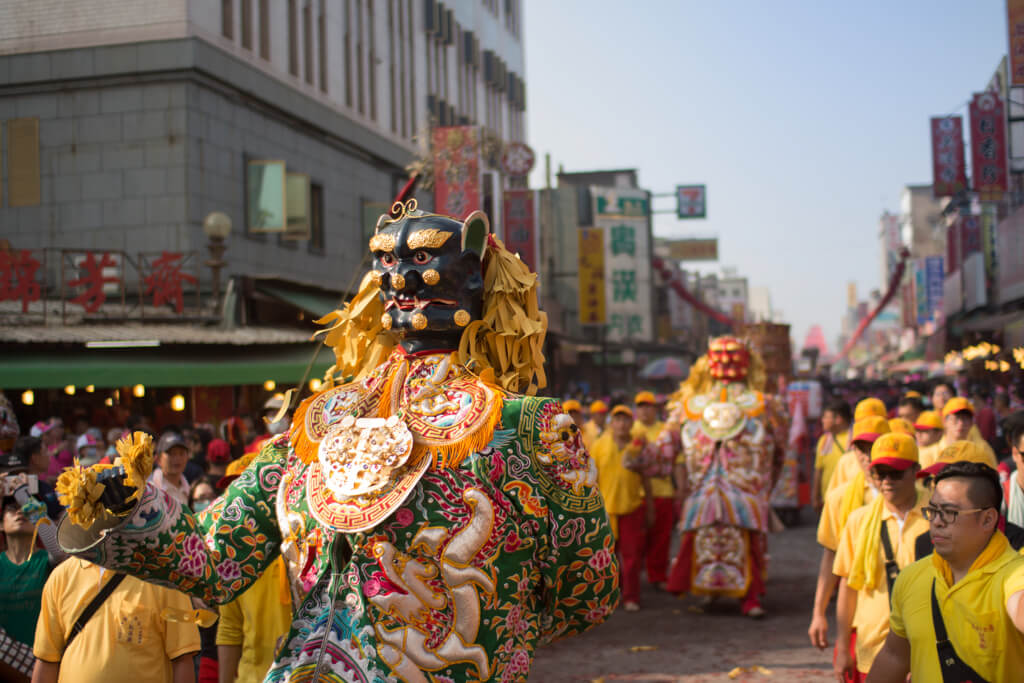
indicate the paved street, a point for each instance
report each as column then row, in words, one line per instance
column 694, row 647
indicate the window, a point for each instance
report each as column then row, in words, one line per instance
column 348, row 53
column 246, row 17
column 227, row 19
column 392, row 91
column 307, row 41
column 293, row 39
column 316, row 218
column 321, row 44
column 265, row 29
column 360, row 97
column 372, row 61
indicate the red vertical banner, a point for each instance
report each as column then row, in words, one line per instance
column 456, row 170
column 1015, row 22
column 970, row 235
column 949, row 173
column 988, row 145
column 520, row 225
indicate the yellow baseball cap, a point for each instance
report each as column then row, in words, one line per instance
column 928, row 419
column 870, row 428
column 912, row 394
column 235, row 468
column 622, row 410
column 645, row 397
column 895, row 450
column 957, row 404
column 599, row 407
column 901, row 426
column 958, row 451
column 868, row 407
column 571, row 404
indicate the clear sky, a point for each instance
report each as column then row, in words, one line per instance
column 805, row 118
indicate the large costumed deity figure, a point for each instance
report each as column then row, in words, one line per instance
column 436, row 524
column 727, row 440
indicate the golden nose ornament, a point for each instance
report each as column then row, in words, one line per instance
column 431, row 277
column 461, row 318
column 419, row 321
column 397, row 281
column 385, row 321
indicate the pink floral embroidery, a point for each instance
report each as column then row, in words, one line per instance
column 601, row 559
column 228, row 571
column 598, row 614
column 193, row 558
column 371, row 587
column 518, row 665
column 515, row 621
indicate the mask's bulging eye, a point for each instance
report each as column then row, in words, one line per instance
column 421, row 257
column 388, row 259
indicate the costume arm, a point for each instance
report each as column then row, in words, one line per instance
column 575, row 550
column 214, row 555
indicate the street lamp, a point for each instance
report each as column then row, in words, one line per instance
column 217, row 227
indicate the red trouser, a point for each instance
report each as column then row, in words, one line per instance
column 659, row 538
column 630, row 547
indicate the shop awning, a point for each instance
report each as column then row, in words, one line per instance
column 162, row 366
column 318, row 305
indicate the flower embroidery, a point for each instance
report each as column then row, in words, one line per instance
column 228, row 571
column 601, row 559
column 193, row 558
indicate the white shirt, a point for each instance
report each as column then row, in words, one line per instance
column 178, row 493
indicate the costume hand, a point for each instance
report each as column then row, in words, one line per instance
column 818, row 632
column 34, row 510
column 116, row 490
column 845, row 666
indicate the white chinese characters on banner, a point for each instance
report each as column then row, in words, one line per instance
column 623, row 216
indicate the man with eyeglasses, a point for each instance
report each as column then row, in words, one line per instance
column 958, row 614
column 877, row 541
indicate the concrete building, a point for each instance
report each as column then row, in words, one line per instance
column 123, row 125
column 146, row 115
column 921, row 222
column 733, row 295
column 760, row 305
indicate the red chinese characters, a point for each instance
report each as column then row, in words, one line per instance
column 18, row 278
column 165, row 280
column 949, row 174
column 93, row 281
column 988, row 145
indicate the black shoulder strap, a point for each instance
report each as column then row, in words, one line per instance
column 954, row 669
column 93, row 606
column 892, row 569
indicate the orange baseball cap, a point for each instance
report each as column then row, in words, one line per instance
column 958, row 451
column 870, row 428
column 571, row 404
column 957, row 404
column 895, row 450
column 868, row 407
column 599, row 407
column 622, row 410
column 901, row 426
column 912, row 394
column 928, row 419
column 645, row 397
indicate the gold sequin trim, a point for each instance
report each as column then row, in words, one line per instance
column 431, row 238
column 382, row 242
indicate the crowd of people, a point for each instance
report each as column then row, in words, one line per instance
column 137, row 630
column 919, row 498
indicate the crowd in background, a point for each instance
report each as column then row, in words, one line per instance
column 43, row 592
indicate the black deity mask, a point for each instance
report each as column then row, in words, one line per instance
column 430, row 276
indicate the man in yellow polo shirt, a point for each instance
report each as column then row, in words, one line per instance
column 928, row 432
column 659, row 536
column 137, row 634
column 835, row 423
column 877, row 541
column 251, row 624
column 593, row 427
column 971, row 588
column 839, row 504
column 958, row 425
column 847, row 467
column 627, row 499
